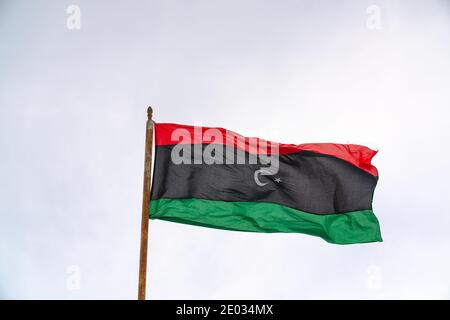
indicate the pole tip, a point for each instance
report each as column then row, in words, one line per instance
column 149, row 113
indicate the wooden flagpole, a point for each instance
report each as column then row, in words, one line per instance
column 145, row 205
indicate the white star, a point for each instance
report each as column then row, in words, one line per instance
column 277, row 180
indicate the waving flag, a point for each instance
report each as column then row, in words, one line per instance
column 216, row 178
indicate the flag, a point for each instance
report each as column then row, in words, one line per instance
column 216, row 178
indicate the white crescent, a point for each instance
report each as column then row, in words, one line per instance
column 256, row 176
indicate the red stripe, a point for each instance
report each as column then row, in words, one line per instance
column 170, row 134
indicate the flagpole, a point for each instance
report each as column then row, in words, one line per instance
column 145, row 205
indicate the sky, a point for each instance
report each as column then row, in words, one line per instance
column 77, row 76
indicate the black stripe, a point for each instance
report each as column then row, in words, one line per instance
column 310, row 182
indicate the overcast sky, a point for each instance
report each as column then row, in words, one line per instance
column 72, row 128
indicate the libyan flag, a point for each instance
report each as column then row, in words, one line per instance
column 215, row 178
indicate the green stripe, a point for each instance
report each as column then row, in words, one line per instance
column 343, row 228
